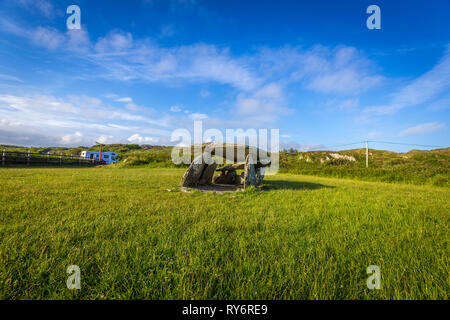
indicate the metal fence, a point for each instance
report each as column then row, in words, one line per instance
column 41, row 159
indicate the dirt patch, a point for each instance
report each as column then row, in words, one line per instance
column 217, row 188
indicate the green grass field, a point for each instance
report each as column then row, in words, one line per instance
column 303, row 238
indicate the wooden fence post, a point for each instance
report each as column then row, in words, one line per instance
column 60, row 158
column 4, row 157
column 48, row 157
column 28, row 158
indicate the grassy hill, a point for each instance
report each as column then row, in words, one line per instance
column 430, row 167
column 118, row 148
column 416, row 166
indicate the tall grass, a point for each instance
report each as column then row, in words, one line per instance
column 303, row 238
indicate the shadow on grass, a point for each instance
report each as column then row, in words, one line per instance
column 293, row 185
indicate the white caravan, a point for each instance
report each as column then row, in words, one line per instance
column 108, row 157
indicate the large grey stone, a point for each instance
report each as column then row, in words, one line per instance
column 208, row 174
column 236, row 152
column 236, row 166
column 191, row 177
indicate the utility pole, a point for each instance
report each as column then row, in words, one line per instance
column 101, row 145
column 367, row 153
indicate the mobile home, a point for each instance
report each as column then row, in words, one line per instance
column 108, row 157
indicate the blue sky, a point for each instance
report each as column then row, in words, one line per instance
column 137, row 70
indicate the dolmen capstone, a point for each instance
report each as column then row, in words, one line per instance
column 250, row 159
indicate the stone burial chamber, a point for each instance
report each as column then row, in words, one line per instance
column 200, row 174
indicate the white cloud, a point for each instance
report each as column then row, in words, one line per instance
column 113, row 42
column 340, row 70
column 342, row 81
column 72, row 41
column 77, row 40
column 122, row 58
column 138, row 139
column 348, row 105
column 260, row 79
column 43, row 7
column 124, row 99
column 264, row 105
column 71, row 139
column 47, row 120
column 107, row 139
column 423, row 128
column 47, row 37
column 136, row 108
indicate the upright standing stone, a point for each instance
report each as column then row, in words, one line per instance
column 249, row 172
column 191, row 177
column 208, row 173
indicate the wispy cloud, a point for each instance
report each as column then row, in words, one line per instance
column 73, row 41
column 264, row 105
column 41, row 7
column 258, row 80
column 425, row 89
column 175, row 109
column 124, row 58
column 348, row 105
column 125, row 99
column 10, row 77
column 423, row 128
column 339, row 70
